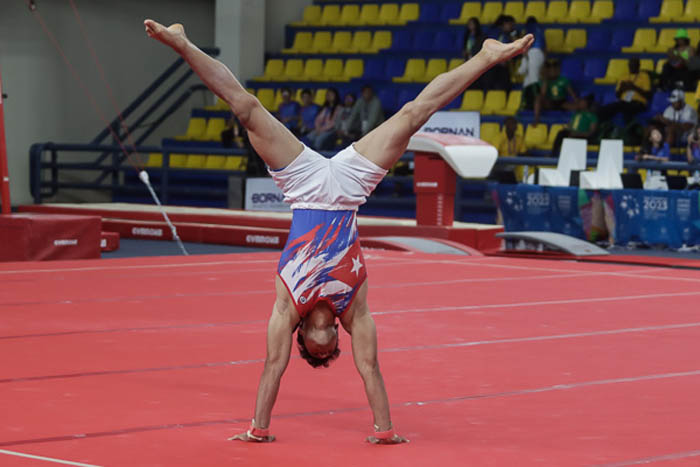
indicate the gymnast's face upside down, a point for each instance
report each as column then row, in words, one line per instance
column 317, row 338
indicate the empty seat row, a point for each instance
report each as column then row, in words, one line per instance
column 538, row 136
column 202, row 129
column 674, row 11
column 647, row 40
column 333, row 69
column 339, row 42
column 368, row 14
column 491, row 102
column 198, row 161
column 554, row 11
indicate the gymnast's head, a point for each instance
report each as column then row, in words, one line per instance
column 317, row 337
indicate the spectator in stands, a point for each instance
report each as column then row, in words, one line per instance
column 498, row 77
column 323, row 136
column 474, row 38
column 367, row 113
column 532, row 62
column 633, row 92
column 583, row 124
column 694, row 68
column 342, row 124
column 307, row 113
column 656, row 150
column 692, row 152
column 675, row 71
column 232, row 136
column 289, row 111
column 678, row 119
column 512, row 144
column 555, row 90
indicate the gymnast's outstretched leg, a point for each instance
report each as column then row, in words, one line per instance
column 271, row 139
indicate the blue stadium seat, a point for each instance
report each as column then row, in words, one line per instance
column 647, row 8
column 401, row 41
column 375, row 69
column 449, row 11
column 600, row 41
column 387, row 96
column 608, row 97
column 622, row 37
column 659, row 103
column 405, row 96
column 444, row 42
column 429, row 13
column 572, row 68
column 595, row 68
column 625, row 11
column 395, row 67
column 423, row 41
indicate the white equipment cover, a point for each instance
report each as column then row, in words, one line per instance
column 609, row 167
column 468, row 157
column 571, row 157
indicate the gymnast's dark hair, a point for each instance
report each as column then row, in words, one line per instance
column 315, row 361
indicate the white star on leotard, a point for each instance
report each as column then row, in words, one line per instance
column 356, row 265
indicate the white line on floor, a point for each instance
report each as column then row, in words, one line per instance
column 649, row 460
column 46, row 459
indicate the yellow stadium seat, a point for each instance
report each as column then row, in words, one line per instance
column 554, row 129
column 195, row 161
column 691, row 12
column 602, row 9
column 361, row 42
column 435, row 67
column 322, row 42
column 178, row 161
column 469, row 10
column 332, row 70
column 214, row 128
column 313, row 69
column 389, row 13
column 494, row 102
column 579, row 11
column 274, row 71
column 490, row 11
column 664, row 41
column 646, row 64
column 555, row 40
column 349, row 15
column 557, row 11
column 267, row 97
column 221, row 104
column 311, row 17
column 490, row 132
column 694, row 35
column 617, row 67
column 330, row 15
column 320, row 96
column 454, row 63
column 408, row 12
column 536, row 135
column 516, row 10
column 513, row 104
column 537, row 8
column 278, row 100
column 575, row 39
column 380, row 41
column 369, row 14
column 670, row 11
column 342, row 41
column 235, row 163
column 472, row 100
column 215, row 162
column 302, row 44
column 354, row 68
column 195, row 129
column 415, row 70
column 660, row 65
column 293, row 69
column 644, row 40
column 155, row 159
column 690, row 99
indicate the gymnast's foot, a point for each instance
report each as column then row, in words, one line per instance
column 173, row 35
column 498, row 52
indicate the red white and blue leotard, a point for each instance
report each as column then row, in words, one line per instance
column 322, row 260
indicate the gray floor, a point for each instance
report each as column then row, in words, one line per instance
column 129, row 248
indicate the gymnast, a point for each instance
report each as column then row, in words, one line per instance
column 321, row 275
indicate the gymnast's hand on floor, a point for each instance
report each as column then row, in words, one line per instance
column 248, row 437
column 396, row 439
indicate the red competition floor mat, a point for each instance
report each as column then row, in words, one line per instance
column 489, row 361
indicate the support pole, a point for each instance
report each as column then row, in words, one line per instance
column 4, row 173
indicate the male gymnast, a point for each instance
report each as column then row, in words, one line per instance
column 321, row 273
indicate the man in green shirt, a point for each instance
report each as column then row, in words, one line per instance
column 555, row 90
column 583, row 124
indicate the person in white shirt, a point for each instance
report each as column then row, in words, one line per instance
column 678, row 119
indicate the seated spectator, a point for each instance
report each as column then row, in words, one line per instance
column 583, row 124
column 654, row 148
column 512, row 144
column 531, row 63
column 366, row 115
column 633, row 92
column 694, row 68
column 233, row 135
column 474, row 38
column 555, row 90
column 342, row 124
column 675, row 71
column 307, row 113
column 678, row 119
column 288, row 112
column 692, row 154
column 323, row 135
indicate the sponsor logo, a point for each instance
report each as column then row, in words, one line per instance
column 655, row 203
column 564, row 203
column 103, row 243
column 450, row 131
column 302, row 300
column 66, row 242
column 147, row 232
column 538, row 199
column 262, row 239
column 683, row 207
column 427, row 184
column 259, row 198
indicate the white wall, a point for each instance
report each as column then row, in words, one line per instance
column 46, row 104
column 278, row 14
column 240, row 34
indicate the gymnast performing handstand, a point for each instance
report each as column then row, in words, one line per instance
column 321, row 273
